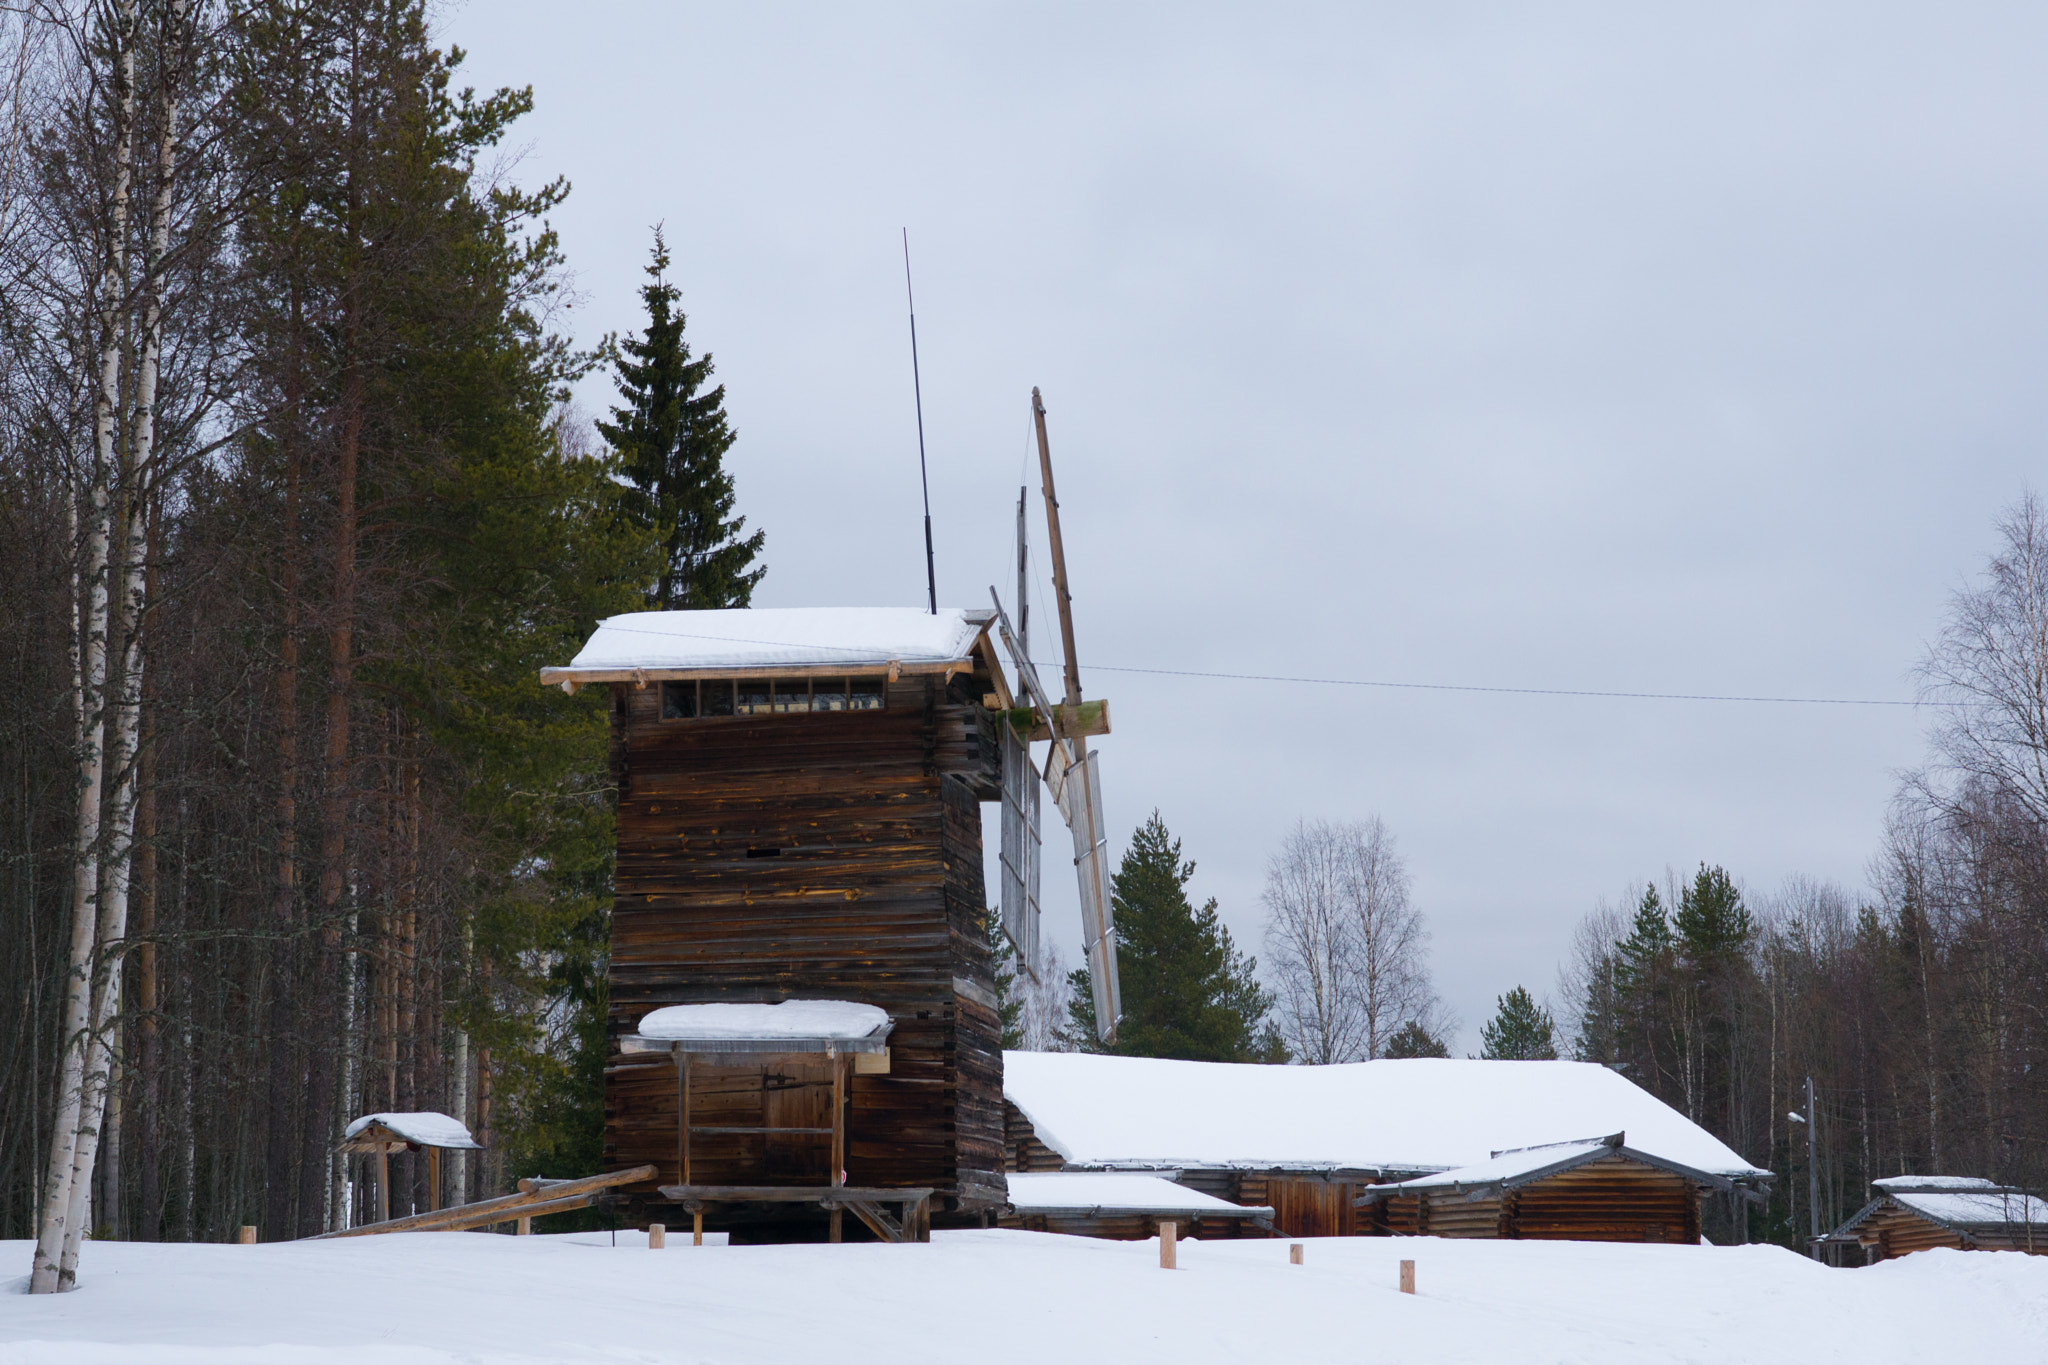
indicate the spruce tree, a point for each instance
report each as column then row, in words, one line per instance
column 1521, row 1032
column 1187, row 990
column 671, row 437
column 1413, row 1040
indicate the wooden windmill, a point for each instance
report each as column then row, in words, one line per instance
column 1073, row 772
column 799, row 834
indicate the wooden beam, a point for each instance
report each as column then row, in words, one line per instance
column 505, row 1207
column 1089, row 718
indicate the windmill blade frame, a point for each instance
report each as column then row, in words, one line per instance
column 1073, row 774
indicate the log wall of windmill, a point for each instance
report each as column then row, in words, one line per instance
column 873, row 893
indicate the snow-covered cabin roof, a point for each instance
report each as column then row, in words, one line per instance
column 1933, row 1182
column 1091, row 1193
column 1960, row 1203
column 1508, row 1170
column 797, row 640
column 1418, row 1115
column 424, row 1127
column 1976, row 1209
column 791, row 1026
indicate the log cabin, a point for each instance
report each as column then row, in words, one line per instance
column 1601, row 1190
column 799, row 820
column 1911, row 1213
column 1309, row 1141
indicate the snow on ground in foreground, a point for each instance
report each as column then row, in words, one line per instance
column 436, row 1298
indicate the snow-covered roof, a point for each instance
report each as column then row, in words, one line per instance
column 1094, row 1192
column 425, row 1127
column 854, row 638
column 1508, row 1167
column 791, row 1026
column 1934, row 1182
column 1417, row 1115
column 1526, row 1165
column 1977, row 1209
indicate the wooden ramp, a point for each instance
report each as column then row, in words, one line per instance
column 535, row 1197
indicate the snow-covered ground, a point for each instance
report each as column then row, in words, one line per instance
column 432, row 1298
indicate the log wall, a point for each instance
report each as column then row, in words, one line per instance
column 813, row 856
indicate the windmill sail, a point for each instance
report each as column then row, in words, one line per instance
column 1020, row 854
column 1077, row 790
column 1021, row 841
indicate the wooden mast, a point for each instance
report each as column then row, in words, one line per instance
column 1060, row 595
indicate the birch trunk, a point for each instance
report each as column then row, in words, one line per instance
column 68, row 1181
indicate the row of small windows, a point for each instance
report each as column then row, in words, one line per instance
column 703, row 698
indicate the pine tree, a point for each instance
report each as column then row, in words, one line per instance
column 671, row 437
column 1521, row 1032
column 1713, row 924
column 1187, row 990
column 1413, row 1040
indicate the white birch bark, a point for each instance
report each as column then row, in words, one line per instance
column 138, row 479
column 68, row 1180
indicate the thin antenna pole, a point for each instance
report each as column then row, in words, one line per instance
column 931, row 570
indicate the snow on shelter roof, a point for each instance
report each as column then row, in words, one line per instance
column 1416, row 1115
column 1980, row 1208
column 741, row 638
column 792, row 1026
column 1934, row 1182
column 1094, row 1192
column 426, row 1128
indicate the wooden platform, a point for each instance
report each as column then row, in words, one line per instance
column 912, row 1223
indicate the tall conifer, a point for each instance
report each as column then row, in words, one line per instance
column 1187, row 990
column 671, row 436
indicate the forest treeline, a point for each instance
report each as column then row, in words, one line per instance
column 1918, row 1005
column 290, row 515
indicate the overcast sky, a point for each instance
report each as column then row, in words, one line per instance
column 1560, row 346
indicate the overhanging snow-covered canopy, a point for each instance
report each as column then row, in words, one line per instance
column 424, row 1128
column 1511, row 1170
column 1410, row 1116
column 1962, row 1203
column 1091, row 1194
column 794, row 641
column 791, row 1026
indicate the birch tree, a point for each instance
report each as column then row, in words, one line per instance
column 1347, row 947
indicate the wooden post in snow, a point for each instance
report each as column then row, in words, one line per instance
column 247, row 1235
column 697, row 1228
column 525, row 1228
column 657, row 1236
column 1169, row 1232
column 1407, row 1277
column 1294, row 1253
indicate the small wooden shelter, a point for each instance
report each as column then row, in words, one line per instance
column 1915, row 1212
column 383, row 1134
column 1599, row 1190
column 790, row 1066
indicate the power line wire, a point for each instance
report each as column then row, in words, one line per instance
column 1319, row 682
